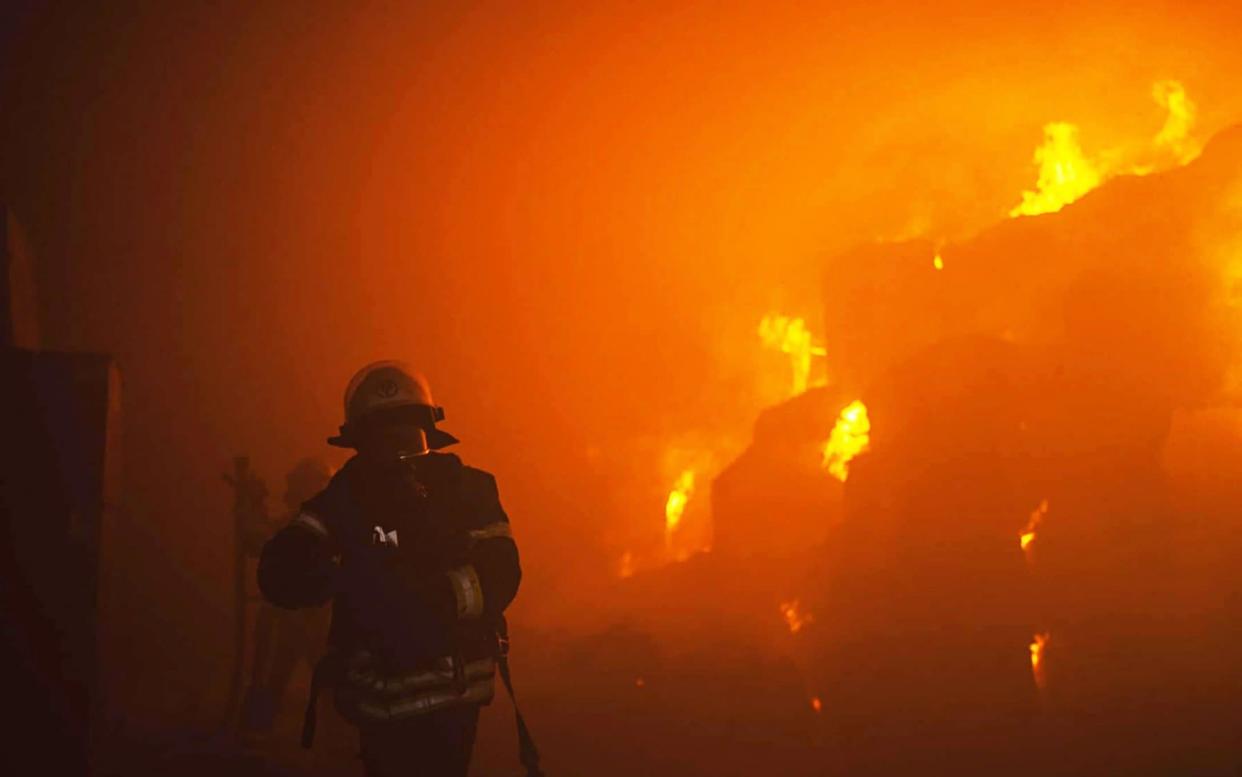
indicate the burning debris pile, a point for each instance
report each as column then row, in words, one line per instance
column 1010, row 555
column 975, row 533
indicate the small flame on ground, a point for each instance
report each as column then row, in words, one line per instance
column 1038, row 645
column 938, row 262
column 791, row 336
column 1028, row 534
column 816, row 704
column 675, row 507
column 850, row 437
column 640, row 683
column 795, row 617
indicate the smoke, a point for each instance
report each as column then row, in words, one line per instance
column 572, row 222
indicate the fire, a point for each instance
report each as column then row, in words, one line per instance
column 675, row 507
column 795, row 617
column 791, row 336
column 938, row 262
column 849, row 437
column 816, row 704
column 1038, row 644
column 1028, row 534
column 1066, row 173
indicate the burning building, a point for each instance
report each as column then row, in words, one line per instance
column 1004, row 556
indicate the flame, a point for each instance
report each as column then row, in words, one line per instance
column 640, row 683
column 1066, row 173
column 791, row 336
column 675, row 507
column 816, row 704
column 1038, row 644
column 938, row 262
column 849, row 438
column 795, row 618
column 1028, row 534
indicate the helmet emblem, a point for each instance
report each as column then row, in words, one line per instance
column 386, row 389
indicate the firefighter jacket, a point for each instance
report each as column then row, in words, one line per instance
column 419, row 563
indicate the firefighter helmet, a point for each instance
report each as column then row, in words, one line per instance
column 387, row 392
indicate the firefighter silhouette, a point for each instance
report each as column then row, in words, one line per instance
column 414, row 550
column 283, row 639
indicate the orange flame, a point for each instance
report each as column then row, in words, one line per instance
column 794, row 616
column 791, row 336
column 1066, row 173
column 850, row 437
column 816, row 704
column 1028, row 534
column 675, row 507
column 1038, row 644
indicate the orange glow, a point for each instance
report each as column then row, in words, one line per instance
column 791, row 336
column 1038, row 645
column 625, row 568
column 938, row 262
column 795, row 617
column 1175, row 134
column 850, row 437
column 640, row 683
column 1028, row 533
column 816, row 704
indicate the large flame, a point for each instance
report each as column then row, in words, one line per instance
column 1066, row 173
column 849, row 437
column 791, row 336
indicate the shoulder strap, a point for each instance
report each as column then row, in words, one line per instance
column 528, row 754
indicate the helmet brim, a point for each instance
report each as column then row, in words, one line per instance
column 436, row 439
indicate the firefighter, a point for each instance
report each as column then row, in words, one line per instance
column 283, row 638
column 415, row 552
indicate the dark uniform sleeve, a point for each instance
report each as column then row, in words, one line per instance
column 297, row 567
column 488, row 580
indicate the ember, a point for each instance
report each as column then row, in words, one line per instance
column 1028, row 533
column 795, row 617
column 1038, row 645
